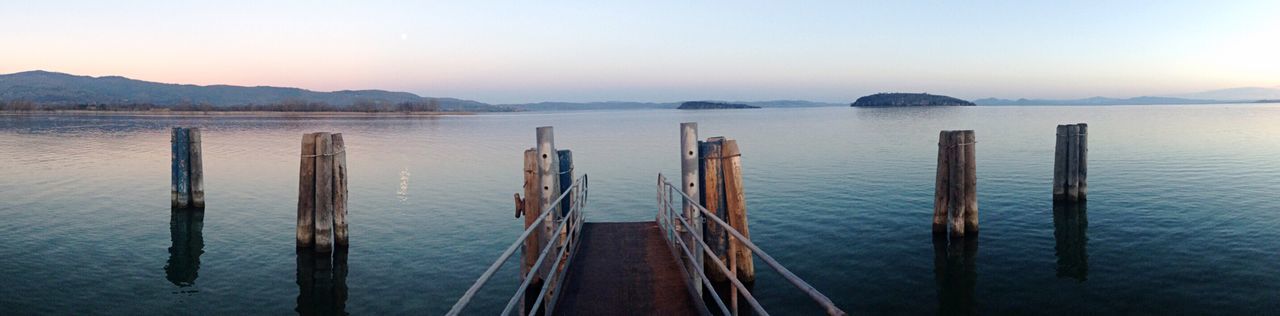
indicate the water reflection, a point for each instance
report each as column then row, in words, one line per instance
column 322, row 282
column 186, row 231
column 1070, row 223
column 955, row 271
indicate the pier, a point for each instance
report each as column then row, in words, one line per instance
column 573, row 267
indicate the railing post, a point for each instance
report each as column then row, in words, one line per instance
column 689, row 184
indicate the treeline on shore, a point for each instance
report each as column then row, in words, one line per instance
column 429, row 105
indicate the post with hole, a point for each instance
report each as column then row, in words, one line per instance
column 689, row 178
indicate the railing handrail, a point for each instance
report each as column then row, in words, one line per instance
column 466, row 298
column 812, row 292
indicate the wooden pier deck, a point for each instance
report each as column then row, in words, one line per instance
column 625, row 269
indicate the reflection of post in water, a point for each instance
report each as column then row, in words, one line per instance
column 955, row 271
column 1070, row 223
column 186, row 231
column 322, row 282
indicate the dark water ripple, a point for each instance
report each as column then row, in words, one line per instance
column 1181, row 218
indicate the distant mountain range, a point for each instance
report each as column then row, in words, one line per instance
column 55, row 88
column 1234, row 95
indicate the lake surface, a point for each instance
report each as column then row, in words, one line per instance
column 1182, row 216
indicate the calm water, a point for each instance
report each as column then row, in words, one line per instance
column 1182, row 216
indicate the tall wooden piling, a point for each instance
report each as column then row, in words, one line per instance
column 340, row 237
column 324, row 193
column 689, row 184
column 1083, row 152
column 181, row 183
column 941, row 197
column 956, row 182
column 307, row 192
column 956, row 185
column 1072, row 187
column 531, row 206
column 196, row 169
column 713, row 197
column 736, row 204
column 969, row 147
column 1070, row 167
column 549, row 175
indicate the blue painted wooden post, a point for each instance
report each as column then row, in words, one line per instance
column 181, row 188
column 566, row 178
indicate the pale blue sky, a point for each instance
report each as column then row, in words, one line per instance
column 530, row 51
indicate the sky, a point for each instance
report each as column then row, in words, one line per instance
column 660, row 51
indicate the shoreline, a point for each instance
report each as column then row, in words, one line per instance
column 233, row 113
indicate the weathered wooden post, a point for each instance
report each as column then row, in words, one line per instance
column 736, row 203
column 340, row 238
column 713, row 197
column 1083, row 152
column 532, row 201
column 956, row 194
column 689, row 183
column 324, row 193
column 941, row 199
column 196, row 167
column 549, row 175
column 970, row 146
column 307, row 192
column 1070, row 168
column 181, row 190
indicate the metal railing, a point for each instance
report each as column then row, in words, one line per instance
column 676, row 228
column 569, row 226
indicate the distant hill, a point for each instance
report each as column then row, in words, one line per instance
column 628, row 105
column 578, row 106
column 908, row 99
column 1234, row 94
column 53, row 88
column 1097, row 101
column 709, row 105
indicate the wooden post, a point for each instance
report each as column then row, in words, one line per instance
column 941, row 198
column 1060, row 165
column 970, row 182
column 532, row 203
column 713, row 199
column 1073, row 163
column 566, row 177
column 1083, row 148
column 736, row 203
column 549, row 174
column 956, row 185
column 324, row 193
column 307, row 192
column 956, row 180
column 181, row 195
column 340, row 237
column 196, row 167
column 689, row 183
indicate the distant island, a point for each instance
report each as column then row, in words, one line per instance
column 53, row 91
column 708, row 105
column 908, row 99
